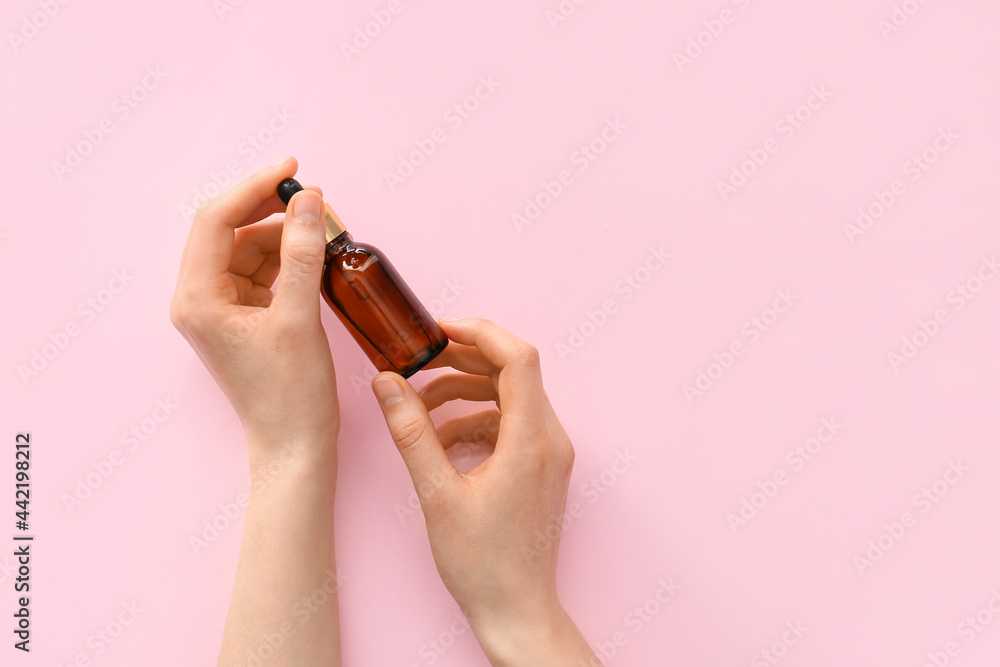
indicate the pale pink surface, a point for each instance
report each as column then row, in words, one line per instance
column 448, row 229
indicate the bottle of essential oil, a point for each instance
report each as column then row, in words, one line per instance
column 373, row 302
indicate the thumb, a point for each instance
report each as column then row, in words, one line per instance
column 413, row 432
column 303, row 246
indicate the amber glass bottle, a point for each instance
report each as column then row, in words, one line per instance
column 373, row 302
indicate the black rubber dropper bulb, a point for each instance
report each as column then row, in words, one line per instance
column 334, row 227
column 287, row 188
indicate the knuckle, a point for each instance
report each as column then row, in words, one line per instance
column 304, row 257
column 430, row 391
column 568, row 455
column 527, row 355
column 192, row 317
column 247, row 233
column 204, row 209
column 408, row 431
column 182, row 314
column 261, row 299
column 176, row 314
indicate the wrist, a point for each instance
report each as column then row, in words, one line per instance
column 296, row 458
column 545, row 636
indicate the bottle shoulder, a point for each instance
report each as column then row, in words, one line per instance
column 351, row 255
column 365, row 248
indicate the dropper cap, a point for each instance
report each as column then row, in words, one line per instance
column 334, row 227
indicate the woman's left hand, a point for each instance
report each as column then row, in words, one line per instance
column 267, row 351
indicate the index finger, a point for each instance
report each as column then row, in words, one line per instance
column 209, row 248
column 519, row 382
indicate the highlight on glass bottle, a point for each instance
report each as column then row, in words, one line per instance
column 372, row 301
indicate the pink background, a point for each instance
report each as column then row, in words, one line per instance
column 662, row 512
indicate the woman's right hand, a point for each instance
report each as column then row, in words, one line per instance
column 494, row 531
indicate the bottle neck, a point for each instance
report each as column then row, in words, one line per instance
column 335, row 228
column 339, row 243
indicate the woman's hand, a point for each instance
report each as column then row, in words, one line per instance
column 267, row 351
column 484, row 525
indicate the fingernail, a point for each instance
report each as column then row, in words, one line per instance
column 387, row 391
column 281, row 161
column 307, row 208
column 449, row 319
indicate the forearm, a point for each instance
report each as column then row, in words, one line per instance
column 284, row 607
